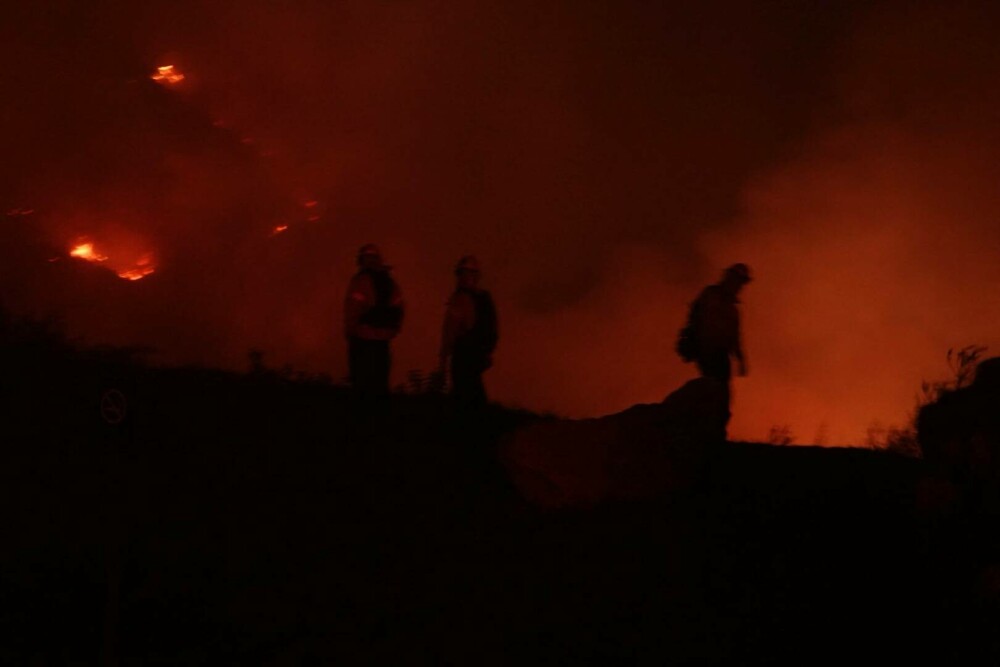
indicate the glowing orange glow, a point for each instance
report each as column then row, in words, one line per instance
column 137, row 270
column 137, row 273
column 86, row 251
column 279, row 229
column 168, row 75
column 143, row 267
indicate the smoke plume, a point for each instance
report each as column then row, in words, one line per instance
column 604, row 160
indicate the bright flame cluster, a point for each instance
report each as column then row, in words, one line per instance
column 168, row 74
column 142, row 268
column 86, row 250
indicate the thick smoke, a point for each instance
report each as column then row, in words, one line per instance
column 604, row 161
column 877, row 245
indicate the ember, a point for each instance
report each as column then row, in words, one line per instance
column 279, row 229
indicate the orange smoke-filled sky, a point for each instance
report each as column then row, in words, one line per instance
column 605, row 160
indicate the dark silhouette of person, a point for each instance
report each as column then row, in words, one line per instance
column 717, row 325
column 373, row 316
column 469, row 335
column 712, row 337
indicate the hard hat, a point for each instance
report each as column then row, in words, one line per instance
column 467, row 263
column 740, row 272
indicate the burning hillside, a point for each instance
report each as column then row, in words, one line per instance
column 603, row 162
column 135, row 269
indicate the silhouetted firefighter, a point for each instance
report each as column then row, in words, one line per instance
column 373, row 315
column 712, row 335
column 469, row 334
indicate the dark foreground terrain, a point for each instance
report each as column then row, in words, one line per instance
column 252, row 520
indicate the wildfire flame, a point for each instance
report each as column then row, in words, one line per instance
column 136, row 274
column 168, row 75
column 142, row 268
column 86, row 251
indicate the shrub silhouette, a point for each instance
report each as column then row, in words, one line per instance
column 903, row 440
column 780, row 435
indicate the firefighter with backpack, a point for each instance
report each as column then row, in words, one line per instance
column 712, row 336
column 469, row 335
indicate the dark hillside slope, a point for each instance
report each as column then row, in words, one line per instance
column 247, row 519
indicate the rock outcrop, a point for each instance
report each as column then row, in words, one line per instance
column 642, row 452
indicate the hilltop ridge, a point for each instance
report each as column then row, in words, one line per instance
column 262, row 520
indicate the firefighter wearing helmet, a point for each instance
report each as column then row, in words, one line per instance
column 373, row 316
column 469, row 335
